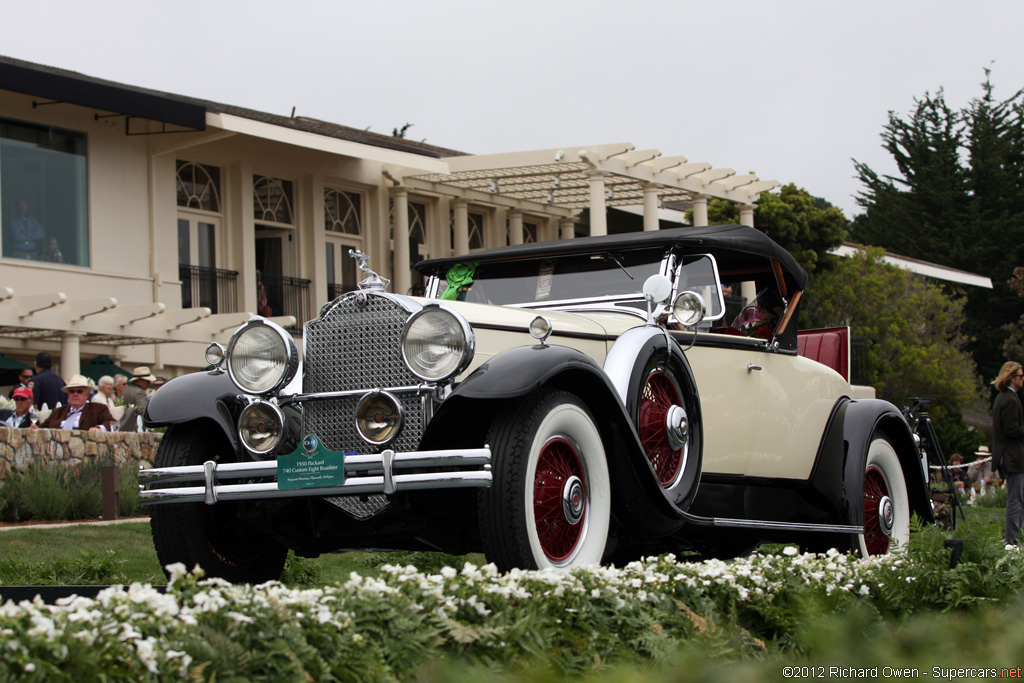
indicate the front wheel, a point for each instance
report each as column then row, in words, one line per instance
column 550, row 502
column 886, row 503
column 216, row 537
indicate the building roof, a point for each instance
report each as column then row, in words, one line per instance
column 925, row 268
column 62, row 85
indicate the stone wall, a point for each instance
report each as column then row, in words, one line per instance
column 19, row 447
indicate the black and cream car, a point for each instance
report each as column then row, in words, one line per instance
column 554, row 404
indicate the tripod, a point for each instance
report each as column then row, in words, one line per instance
column 931, row 449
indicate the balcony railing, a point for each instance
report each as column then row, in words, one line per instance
column 285, row 296
column 212, row 288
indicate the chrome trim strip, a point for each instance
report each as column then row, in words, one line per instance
column 765, row 524
column 298, row 398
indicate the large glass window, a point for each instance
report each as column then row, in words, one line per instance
column 44, row 194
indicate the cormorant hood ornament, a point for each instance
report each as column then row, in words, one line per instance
column 372, row 281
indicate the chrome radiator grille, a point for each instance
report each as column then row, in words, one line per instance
column 357, row 346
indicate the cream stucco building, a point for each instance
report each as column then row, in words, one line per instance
column 176, row 219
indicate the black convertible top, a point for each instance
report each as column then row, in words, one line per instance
column 733, row 246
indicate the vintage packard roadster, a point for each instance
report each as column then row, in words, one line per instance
column 551, row 405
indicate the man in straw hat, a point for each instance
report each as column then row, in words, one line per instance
column 135, row 398
column 1008, row 444
column 79, row 413
column 979, row 474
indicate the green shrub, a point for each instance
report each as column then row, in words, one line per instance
column 129, row 486
column 43, row 492
column 992, row 498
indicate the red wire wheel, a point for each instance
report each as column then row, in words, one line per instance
column 877, row 512
column 559, row 499
column 659, row 394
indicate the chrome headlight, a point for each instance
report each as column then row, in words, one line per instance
column 262, row 357
column 689, row 308
column 437, row 343
column 260, row 426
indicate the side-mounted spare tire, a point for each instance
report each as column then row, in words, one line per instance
column 549, row 504
column 215, row 537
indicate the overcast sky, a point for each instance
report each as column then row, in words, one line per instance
column 792, row 91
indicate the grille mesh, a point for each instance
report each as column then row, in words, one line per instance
column 357, row 346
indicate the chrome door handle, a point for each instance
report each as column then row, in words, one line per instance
column 751, row 367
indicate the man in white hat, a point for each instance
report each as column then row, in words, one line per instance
column 979, row 474
column 79, row 413
column 135, row 398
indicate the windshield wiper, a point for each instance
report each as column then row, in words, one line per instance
column 612, row 257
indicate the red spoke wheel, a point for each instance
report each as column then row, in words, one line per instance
column 665, row 452
column 886, row 503
column 878, row 512
column 559, row 499
column 549, row 503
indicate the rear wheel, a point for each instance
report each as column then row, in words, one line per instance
column 216, row 537
column 886, row 503
column 550, row 502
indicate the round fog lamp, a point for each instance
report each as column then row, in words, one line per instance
column 260, row 427
column 379, row 418
column 215, row 354
column 689, row 308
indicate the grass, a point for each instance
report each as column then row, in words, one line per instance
column 124, row 553
column 31, row 552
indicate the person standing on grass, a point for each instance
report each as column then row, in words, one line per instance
column 1008, row 444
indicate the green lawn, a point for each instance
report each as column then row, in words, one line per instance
column 123, row 553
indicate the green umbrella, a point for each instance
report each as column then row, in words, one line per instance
column 11, row 364
column 102, row 365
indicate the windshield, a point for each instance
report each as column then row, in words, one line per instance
column 566, row 278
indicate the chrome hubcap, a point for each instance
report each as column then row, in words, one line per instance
column 572, row 499
column 886, row 515
column 677, row 427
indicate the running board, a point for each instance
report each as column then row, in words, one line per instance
column 765, row 524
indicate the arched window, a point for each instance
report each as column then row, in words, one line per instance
column 343, row 212
column 198, row 186
column 272, row 200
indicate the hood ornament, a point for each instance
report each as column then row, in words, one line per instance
column 372, row 281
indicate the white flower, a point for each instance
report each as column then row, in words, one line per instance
column 790, row 551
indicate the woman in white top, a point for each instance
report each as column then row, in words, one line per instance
column 105, row 393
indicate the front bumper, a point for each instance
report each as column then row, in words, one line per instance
column 364, row 474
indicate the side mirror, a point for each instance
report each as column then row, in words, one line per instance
column 657, row 289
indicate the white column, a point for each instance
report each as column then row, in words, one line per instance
column 598, row 216
column 700, row 210
column 402, row 280
column 747, row 215
column 515, row 226
column 748, row 289
column 70, row 360
column 567, row 228
column 650, row 207
column 460, row 212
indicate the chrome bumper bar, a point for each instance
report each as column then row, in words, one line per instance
column 376, row 473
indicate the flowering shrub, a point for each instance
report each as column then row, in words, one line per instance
column 391, row 626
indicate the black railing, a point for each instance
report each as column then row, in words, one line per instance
column 212, row 288
column 284, row 296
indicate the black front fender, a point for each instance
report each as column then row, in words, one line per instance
column 198, row 396
column 464, row 418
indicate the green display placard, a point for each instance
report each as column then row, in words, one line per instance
column 311, row 465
